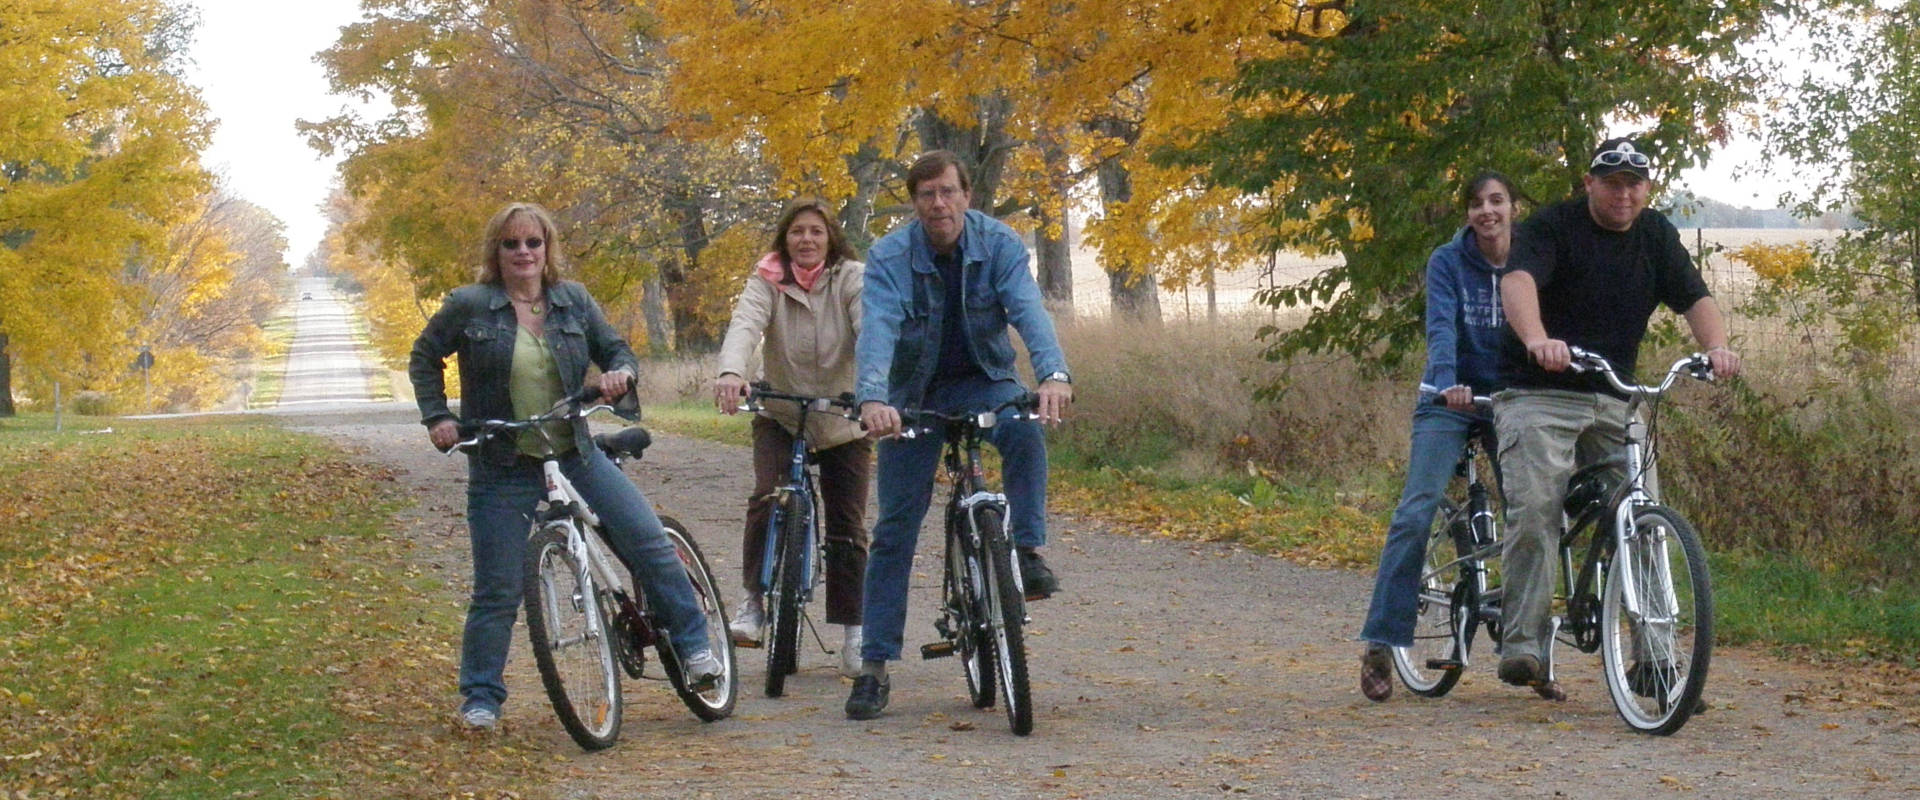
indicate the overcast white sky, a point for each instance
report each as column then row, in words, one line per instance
column 254, row 64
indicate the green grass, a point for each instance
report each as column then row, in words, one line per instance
column 271, row 368
column 1769, row 599
column 197, row 610
column 698, row 420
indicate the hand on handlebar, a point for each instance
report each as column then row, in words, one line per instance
column 444, row 434
column 1726, row 363
column 1054, row 399
column 1458, row 397
column 729, row 391
column 615, row 383
column 1551, row 354
column 880, row 419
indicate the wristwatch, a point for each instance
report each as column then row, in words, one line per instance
column 1057, row 375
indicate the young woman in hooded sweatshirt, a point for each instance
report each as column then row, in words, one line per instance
column 1464, row 331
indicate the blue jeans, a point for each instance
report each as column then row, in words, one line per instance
column 905, row 485
column 500, row 505
column 1438, row 437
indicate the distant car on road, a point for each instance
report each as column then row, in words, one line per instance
column 306, row 295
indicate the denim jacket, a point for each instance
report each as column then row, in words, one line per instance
column 477, row 323
column 902, row 311
column 1465, row 326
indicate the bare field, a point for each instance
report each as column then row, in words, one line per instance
column 1235, row 288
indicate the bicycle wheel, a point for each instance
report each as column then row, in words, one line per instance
column 1656, row 623
column 965, row 592
column 1432, row 665
column 1006, row 614
column 716, row 702
column 567, row 623
column 789, row 590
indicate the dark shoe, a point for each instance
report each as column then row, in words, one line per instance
column 1035, row 577
column 1375, row 682
column 1522, row 671
column 869, row 697
column 1647, row 678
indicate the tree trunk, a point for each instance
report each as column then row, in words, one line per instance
column 1055, row 255
column 1135, row 296
column 869, row 172
column 6, row 379
column 689, row 334
column 982, row 144
column 653, row 308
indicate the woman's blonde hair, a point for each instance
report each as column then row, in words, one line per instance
column 496, row 230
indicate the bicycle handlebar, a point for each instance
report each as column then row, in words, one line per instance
column 568, row 408
column 761, row 390
column 1481, row 403
column 1696, row 366
column 916, row 421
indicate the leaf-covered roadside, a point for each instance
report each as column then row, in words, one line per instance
column 205, row 612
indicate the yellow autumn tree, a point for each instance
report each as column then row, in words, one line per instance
column 1038, row 97
column 558, row 103
column 99, row 138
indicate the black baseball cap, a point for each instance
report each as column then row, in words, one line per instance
column 1620, row 154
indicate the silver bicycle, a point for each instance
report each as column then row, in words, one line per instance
column 586, row 622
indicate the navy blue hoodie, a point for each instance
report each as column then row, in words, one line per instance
column 1464, row 325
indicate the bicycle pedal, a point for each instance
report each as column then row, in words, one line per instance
column 1447, row 664
column 936, row 650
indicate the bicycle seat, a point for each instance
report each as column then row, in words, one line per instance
column 628, row 443
column 1593, row 483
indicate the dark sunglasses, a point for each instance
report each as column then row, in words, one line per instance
column 533, row 243
column 1622, row 154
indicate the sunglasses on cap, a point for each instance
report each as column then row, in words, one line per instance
column 1622, row 153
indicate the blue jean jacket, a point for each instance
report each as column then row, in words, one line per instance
column 477, row 324
column 902, row 311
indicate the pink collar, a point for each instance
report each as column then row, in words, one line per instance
column 775, row 272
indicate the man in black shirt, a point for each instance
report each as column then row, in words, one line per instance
column 1586, row 272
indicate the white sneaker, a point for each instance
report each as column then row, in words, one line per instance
column 701, row 670
column 850, row 651
column 748, row 619
column 479, row 718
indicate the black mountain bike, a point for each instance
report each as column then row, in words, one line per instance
column 984, row 598
column 792, row 564
column 1641, row 598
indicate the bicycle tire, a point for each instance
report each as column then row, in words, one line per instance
column 1007, row 612
column 965, row 592
column 1655, row 680
column 571, row 649
column 787, row 596
column 1440, row 611
column 717, row 702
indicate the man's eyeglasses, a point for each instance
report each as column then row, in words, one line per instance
column 928, row 194
column 1623, row 154
column 532, row 242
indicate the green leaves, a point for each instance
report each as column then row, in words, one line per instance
column 1363, row 138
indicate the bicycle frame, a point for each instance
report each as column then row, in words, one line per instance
column 1625, row 501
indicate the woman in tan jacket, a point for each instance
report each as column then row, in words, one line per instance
column 802, row 306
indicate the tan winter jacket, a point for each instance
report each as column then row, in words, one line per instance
column 807, row 340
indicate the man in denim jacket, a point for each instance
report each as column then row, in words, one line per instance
column 916, row 352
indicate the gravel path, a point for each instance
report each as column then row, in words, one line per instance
column 1166, row 669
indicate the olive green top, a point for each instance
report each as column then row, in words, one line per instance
column 534, row 386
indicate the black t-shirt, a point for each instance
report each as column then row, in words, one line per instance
column 1597, row 288
column 956, row 359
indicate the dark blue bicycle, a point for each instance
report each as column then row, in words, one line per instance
column 791, row 565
